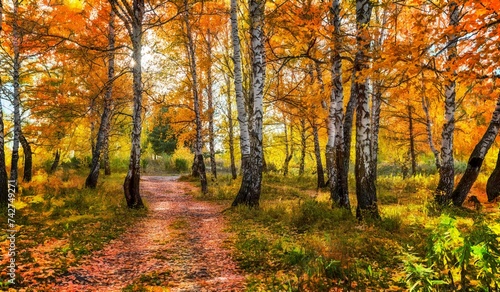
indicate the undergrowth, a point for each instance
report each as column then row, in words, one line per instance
column 295, row 241
column 58, row 222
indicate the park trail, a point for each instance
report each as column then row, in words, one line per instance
column 179, row 246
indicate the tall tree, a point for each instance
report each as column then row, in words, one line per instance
column 251, row 184
column 230, row 126
column 16, row 92
column 103, row 133
column 476, row 160
column 28, row 158
column 3, row 170
column 334, row 148
column 447, row 170
column 198, row 145
column 365, row 183
column 132, row 17
column 210, row 101
column 240, row 104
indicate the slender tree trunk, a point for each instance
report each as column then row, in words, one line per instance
column 288, row 150
column 345, row 148
column 197, row 105
column 250, row 189
column 303, row 146
column 105, row 156
column 211, row 135
column 55, row 164
column 412, row 141
column 375, row 128
column 230, row 126
column 447, row 170
column 103, row 133
column 3, row 170
column 16, row 98
column 241, row 107
column 4, row 199
column 493, row 183
column 334, row 152
column 28, row 159
column 317, row 153
column 476, row 159
column 428, row 126
column 365, row 185
column 132, row 17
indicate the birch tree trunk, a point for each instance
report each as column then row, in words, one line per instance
column 428, row 127
column 447, row 170
column 16, row 97
column 211, row 135
column 234, row 173
column 476, row 159
column 493, row 183
column 105, row 156
column 103, row 133
column 412, row 141
column 132, row 17
column 317, row 154
column 303, row 146
column 288, row 150
column 334, row 151
column 374, row 129
column 28, row 159
column 250, row 189
column 365, row 185
column 198, row 147
column 3, row 170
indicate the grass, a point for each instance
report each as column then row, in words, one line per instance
column 295, row 241
column 59, row 222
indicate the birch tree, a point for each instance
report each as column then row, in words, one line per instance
column 210, row 101
column 198, row 145
column 240, row 103
column 365, row 183
column 447, row 169
column 132, row 17
column 103, row 133
column 3, row 170
column 16, row 92
column 334, row 149
column 476, row 160
column 249, row 193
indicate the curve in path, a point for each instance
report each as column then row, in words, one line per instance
column 178, row 246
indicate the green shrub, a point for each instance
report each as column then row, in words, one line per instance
column 181, row 165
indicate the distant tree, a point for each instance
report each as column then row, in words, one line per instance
column 161, row 137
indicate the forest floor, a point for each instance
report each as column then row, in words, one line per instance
column 181, row 245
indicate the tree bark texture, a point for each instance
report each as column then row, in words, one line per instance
column 317, row 154
column 198, row 147
column 447, row 170
column 476, row 159
column 16, row 96
column 211, row 134
column 3, row 169
column 250, row 189
column 230, row 126
column 493, row 183
column 28, row 159
column 104, row 127
column 374, row 129
column 288, row 150
column 132, row 17
column 303, row 146
column 365, row 185
column 411, row 132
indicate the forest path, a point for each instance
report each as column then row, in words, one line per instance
column 179, row 246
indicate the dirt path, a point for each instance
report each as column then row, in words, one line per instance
column 179, row 246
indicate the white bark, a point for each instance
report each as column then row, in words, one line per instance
column 238, row 83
